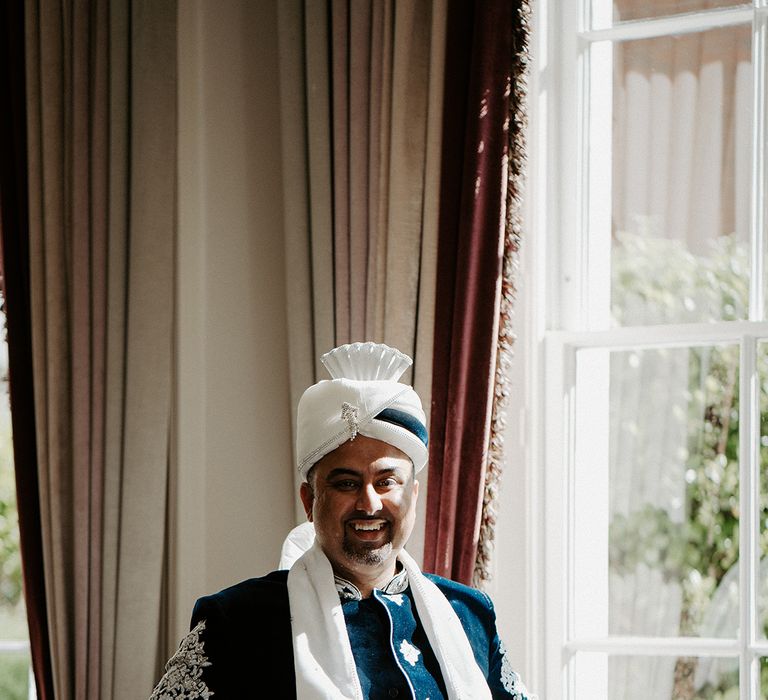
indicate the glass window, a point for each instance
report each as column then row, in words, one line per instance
column 667, row 446
column 14, row 636
column 624, row 10
column 762, row 589
column 641, row 677
column 655, row 425
column 682, row 140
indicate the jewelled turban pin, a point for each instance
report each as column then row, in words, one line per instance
column 350, row 414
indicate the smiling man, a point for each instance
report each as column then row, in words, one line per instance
column 362, row 499
column 354, row 617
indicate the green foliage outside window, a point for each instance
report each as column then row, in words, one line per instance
column 14, row 666
column 14, row 676
column 10, row 558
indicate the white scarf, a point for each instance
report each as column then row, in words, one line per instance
column 325, row 666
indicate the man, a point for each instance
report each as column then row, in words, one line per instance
column 354, row 617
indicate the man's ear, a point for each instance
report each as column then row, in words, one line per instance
column 307, row 498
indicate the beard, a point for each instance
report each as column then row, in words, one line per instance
column 369, row 555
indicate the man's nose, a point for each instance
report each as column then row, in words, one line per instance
column 369, row 500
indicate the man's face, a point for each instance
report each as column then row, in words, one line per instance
column 362, row 500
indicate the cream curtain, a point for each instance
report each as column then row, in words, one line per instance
column 361, row 170
column 101, row 144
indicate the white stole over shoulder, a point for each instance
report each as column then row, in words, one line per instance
column 325, row 666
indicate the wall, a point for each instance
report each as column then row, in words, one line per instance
column 513, row 555
column 233, row 492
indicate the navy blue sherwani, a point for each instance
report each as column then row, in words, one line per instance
column 241, row 646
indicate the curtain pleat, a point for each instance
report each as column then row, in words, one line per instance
column 92, row 301
column 49, row 75
column 320, row 183
column 360, row 90
column 378, row 157
column 148, row 346
column 114, row 373
column 299, row 287
column 368, row 78
column 425, row 314
column 409, row 93
column 339, row 90
column 14, row 274
column 380, row 90
column 480, row 64
column 102, row 134
column 308, row 211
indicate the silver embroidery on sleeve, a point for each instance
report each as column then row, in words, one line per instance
column 510, row 679
column 184, row 670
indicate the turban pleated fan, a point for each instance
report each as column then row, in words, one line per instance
column 363, row 397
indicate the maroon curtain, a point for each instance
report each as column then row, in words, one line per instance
column 14, row 273
column 482, row 42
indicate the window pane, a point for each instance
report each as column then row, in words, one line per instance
column 762, row 589
column 764, row 678
column 656, row 492
column 624, row 10
column 681, row 177
column 657, row 677
column 14, row 654
column 14, row 675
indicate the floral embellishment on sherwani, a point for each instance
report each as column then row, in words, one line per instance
column 510, row 679
column 184, row 670
column 346, row 589
column 410, row 653
column 349, row 591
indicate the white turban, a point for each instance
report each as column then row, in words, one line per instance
column 363, row 397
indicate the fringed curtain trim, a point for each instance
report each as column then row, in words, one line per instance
column 517, row 159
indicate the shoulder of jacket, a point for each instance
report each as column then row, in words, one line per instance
column 270, row 592
column 453, row 590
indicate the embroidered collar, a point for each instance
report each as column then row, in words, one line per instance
column 349, row 591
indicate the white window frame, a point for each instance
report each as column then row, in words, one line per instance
column 566, row 311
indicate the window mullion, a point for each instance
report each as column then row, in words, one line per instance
column 685, row 23
column 749, row 478
column 557, row 449
column 582, row 182
column 598, row 179
column 569, row 412
column 567, row 308
column 658, row 646
column 758, row 200
column 682, row 335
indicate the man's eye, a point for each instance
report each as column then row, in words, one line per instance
column 345, row 485
column 389, row 482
